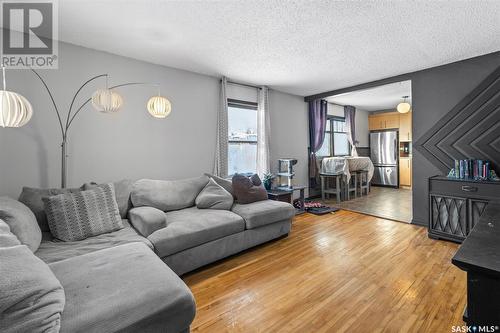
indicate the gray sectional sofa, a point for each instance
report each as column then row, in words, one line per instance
column 128, row 280
column 186, row 237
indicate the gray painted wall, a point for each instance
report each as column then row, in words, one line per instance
column 435, row 92
column 290, row 133
column 129, row 144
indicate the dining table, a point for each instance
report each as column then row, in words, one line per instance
column 346, row 165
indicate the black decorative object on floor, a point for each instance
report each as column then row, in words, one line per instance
column 318, row 208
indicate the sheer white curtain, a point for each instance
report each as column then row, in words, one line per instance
column 263, row 132
column 220, row 167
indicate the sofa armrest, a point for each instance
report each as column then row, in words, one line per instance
column 147, row 219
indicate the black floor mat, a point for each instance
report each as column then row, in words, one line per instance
column 321, row 210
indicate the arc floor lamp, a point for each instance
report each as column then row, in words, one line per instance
column 16, row 110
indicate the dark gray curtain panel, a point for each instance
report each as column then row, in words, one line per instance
column 318, row 110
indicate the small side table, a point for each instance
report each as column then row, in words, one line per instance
column 286, row 195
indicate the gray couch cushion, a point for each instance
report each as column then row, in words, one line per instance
column 192, row 226
column 21, row 221
column 76, row 216
column 195, row 257
column 214, row 196
column 31, row 298
column 147, row 220
column 260, row 213
column 53, row 250
column 167, row 195
column 227, row 184
column 126, row 288
column 32, row 197
column 123, row 189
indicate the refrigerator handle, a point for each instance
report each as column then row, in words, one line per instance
column 396, row 153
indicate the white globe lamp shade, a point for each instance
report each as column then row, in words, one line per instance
column 404, row 107
column 159, row 107
column 107, row 101
column 15, row 109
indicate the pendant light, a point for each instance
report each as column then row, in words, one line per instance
column 107, row 100
column 15, row 109
column 159, row 106
column 404, row 106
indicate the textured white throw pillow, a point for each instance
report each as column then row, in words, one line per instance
column 214, row 196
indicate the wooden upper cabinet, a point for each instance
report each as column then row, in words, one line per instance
column 381, row 121
column 375, row 122
column 405, row 127
column 391, row 120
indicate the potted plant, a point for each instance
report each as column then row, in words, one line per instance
column 268, row 180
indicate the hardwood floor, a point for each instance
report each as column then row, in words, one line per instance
column 336, row 273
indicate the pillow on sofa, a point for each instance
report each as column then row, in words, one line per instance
column 214, row 196
column 167, row 195
column 248, row 190
column 76, row 216
column 7, row 238
column 32, row 297
column 225, row 183
column 123, row 188
column 21, row 221
column 32, row 197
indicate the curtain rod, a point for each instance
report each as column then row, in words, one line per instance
column 335, row 104
column 244, row 84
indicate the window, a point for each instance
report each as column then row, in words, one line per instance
column 242, row 137
column 336, row 142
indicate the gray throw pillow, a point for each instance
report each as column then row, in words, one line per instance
column 21, row 221
column 123, row 188
column 7, row 238
column 214, row 196
column 248, row 190
column 32, row 197
column 32, row 298
column 225, row 183
column 76, row 216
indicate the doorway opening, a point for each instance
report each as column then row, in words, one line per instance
column 383, row 134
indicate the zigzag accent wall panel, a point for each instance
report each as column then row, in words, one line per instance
column 470, row 130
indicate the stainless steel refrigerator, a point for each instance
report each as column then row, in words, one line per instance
column 384, row 155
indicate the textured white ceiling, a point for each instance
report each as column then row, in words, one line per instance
column 301, row 47
column 384, row 97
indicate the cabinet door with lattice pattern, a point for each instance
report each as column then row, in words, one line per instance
column 476, row 209
column 449, row 215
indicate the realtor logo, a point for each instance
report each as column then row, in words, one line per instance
column 29, row 34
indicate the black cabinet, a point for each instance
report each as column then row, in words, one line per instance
column 456, row 205
column 479, row 256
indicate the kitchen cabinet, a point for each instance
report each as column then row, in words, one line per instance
column 375, row 122
column 391, row 120
column 405, row 126
column 383, row 121
column 405, row 171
